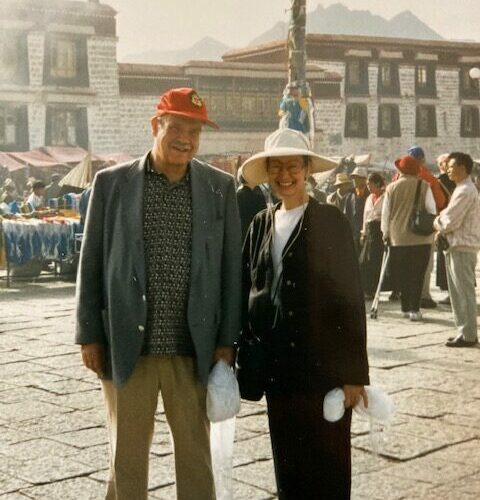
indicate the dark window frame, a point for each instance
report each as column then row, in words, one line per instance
column 363, row 86
column 18, row 46
column 20, row 113
column 430, row 87
column 474, row 112
column 356, row 112
column 81, row 78
column 394, row 88
column 472, row 91
column 81, row 125
column 431, row 129
column 394, row 130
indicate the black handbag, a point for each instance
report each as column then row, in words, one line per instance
column 421, row 221
column 252, row 370
column 252, row 367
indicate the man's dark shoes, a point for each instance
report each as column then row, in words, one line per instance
column 460, row 342
column 428, row 303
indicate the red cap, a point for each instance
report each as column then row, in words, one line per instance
column 184, row 102
column 408, row 165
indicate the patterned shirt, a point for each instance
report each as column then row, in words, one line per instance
column 167, row 233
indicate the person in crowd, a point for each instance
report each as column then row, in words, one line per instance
column 54, row 188
column 158, row 296
column 459, row 223
column 83, row 204
column 440, row 202
column 9, row 193
column 301, row 271
column 409, row 252
column 372, row 242
column 250, row 202
column 343, row 185
column 355, row 203
column 314, row 190
column 448, row 187
column 36, row 199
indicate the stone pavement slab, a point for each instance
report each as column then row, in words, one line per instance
column 53, row 441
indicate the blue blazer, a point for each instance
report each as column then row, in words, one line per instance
column 111, row 301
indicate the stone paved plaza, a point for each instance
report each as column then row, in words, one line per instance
column 53, row 443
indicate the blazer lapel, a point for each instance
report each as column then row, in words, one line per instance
column 203, row 212
column 132, row 200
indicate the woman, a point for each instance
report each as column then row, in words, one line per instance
column 372, row 242
column 303, row 297
column 409, row 252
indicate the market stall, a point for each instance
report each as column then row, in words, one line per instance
column 27, row 243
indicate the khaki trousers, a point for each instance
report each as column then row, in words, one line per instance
column 428, row 275
column 131, row 417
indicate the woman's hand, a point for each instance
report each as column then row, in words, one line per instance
column 353, row 393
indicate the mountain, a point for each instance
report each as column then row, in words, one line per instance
column 340, row 20
column 206, row 49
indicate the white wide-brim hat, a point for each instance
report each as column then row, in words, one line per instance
column 283, row 142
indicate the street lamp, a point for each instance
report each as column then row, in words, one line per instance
column 474, row 73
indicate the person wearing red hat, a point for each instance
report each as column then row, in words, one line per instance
column 158, row 296
column 409, row 252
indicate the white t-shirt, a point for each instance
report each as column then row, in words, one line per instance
column 285, row 223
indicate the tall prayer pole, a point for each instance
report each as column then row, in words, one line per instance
column 296, row 107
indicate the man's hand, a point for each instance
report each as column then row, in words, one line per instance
column 227, row 353
column 353, row 393
column 93, row 356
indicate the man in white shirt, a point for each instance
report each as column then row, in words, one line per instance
column 37, row 199
column 459, row 223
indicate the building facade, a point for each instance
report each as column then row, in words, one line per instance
column 394, row 93
column 61, row 85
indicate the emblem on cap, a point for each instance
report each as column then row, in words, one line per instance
column 196, row 100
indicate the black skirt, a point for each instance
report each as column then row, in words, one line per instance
column 371, row 257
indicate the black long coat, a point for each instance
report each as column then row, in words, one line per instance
column 322, row 299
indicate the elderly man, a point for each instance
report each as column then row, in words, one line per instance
column 343, row 185
column 355, row 203
column 459, row 223
column 158, row 296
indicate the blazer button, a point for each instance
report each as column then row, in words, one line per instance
column 141, row 328
column 290, row 313
column 289, row 283
column 292, row 344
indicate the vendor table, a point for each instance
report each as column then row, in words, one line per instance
column 26, row 240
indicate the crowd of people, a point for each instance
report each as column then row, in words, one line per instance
column 165, row 291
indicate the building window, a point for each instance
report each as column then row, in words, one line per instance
column 356, row 78
column 426, row 121
column 13, row 127
column 388, row 120
column 425, row 82
column 356, row 121
column 388, row 79
column 67, row 127
column 469, row 88
column 13, row 57
column 470, row 122
column 66, row 60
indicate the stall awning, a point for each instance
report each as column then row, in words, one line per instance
column 68, row 154
column 10, row 163
column 36, row 158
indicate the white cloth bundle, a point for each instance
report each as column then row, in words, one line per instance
column 223, row 394
column 380, row 405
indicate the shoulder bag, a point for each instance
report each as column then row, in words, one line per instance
column 421, row 221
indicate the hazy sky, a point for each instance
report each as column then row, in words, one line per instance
column 177, row 24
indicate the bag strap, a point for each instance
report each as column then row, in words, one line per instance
column 417, row 194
